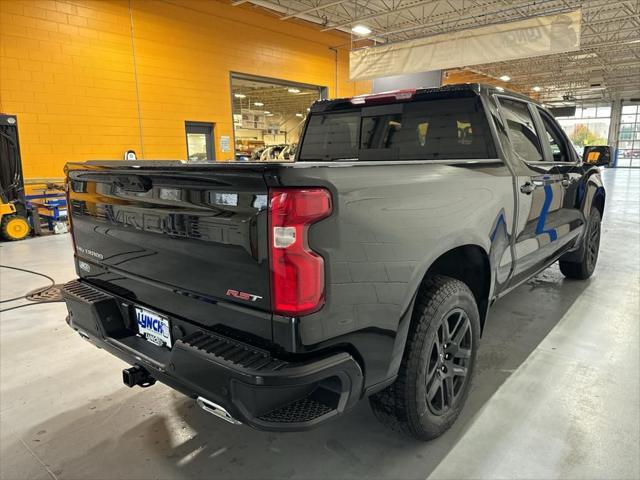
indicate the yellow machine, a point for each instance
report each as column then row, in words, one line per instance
column 13, row 226
column 13, row 222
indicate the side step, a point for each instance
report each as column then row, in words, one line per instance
column 235, row 352
column 300, row 411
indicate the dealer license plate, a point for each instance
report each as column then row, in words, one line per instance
column 153, row 327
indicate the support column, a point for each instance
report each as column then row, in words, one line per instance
column 614, row 127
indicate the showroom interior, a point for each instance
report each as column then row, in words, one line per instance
column 199, row 109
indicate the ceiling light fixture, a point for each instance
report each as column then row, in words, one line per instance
column 582, row 56
column 293, row 90
column 239, row 95
column 536, row 89
column 267, row 112
column 505, row 78
column 361, row 30
column 258, row 104
column 299, row 115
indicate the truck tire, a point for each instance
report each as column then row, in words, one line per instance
column 438, row 362
column 591, row 244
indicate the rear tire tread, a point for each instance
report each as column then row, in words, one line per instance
column 580, row 270
column 390, row 406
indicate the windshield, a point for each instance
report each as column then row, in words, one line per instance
column 454, row 128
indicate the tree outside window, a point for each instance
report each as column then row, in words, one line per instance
column 582, row 136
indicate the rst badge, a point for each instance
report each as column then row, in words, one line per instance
column 243, row 295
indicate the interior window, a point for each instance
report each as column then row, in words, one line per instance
column 522, row 130
column 554, row 137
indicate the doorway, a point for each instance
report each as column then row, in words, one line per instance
column 268, row 116
column 200, row 146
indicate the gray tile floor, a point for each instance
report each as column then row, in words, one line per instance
column 556, row 395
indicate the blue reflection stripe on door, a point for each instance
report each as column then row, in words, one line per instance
column 548, row 198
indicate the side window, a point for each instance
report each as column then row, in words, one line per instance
column 522, row 131
column 555, row 139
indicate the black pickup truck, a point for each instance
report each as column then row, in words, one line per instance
column 279, row 295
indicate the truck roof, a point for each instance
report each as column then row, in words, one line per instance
column 393, row 96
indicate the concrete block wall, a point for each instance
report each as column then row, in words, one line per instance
column 91, row 79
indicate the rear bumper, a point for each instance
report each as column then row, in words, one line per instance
column 255, row 387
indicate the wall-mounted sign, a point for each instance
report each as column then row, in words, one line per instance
column 225, row 143
column 526, row 38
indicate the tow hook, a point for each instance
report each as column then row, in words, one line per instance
column 137, row 375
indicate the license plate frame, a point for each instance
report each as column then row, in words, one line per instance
column 154, row 327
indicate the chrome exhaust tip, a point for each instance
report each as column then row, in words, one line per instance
column 215, row 409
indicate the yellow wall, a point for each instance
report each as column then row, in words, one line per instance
column 68, row 70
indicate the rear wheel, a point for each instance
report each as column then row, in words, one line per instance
column 591, row 244
column 437, row 366
column 14, row 227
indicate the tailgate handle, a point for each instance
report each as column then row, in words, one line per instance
column 133, row 184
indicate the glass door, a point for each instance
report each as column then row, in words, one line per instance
column 629, row 138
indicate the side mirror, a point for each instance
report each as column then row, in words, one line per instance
column 599, row 155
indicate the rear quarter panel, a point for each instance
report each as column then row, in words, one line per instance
column 390, row 223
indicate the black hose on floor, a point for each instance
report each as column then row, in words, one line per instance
column 53, row 282
column 28, row 305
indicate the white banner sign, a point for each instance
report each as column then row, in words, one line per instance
column 526, row 38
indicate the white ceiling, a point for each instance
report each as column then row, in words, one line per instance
column 610, row 39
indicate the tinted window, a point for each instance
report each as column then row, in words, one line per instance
column 555, row 139
column 331, row 136
column 421, row 130
column 521, row 128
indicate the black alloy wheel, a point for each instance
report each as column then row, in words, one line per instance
column 434, row 378
column 449, row 361
column 583, row 269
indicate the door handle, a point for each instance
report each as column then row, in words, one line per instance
column 528, row 188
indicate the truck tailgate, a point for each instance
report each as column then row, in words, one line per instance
column 187, row 241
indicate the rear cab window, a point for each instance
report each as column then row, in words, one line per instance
column 430, row 129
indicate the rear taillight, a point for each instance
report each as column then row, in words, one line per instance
column 297, row 272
